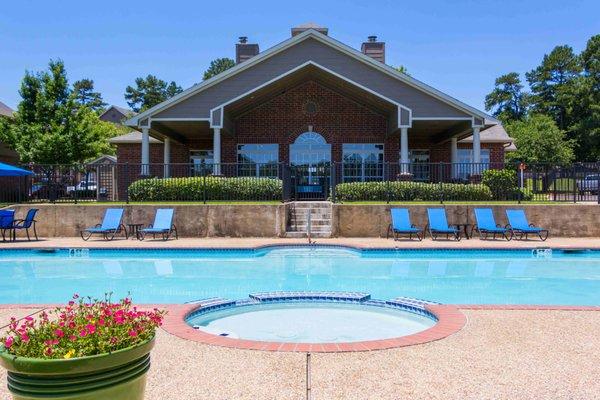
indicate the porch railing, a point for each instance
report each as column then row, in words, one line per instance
column 338, row 182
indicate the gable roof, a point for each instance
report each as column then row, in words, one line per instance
column 6, row 110
column 131, row 137
column 493, row 134
column 310, row 33
column 125, row 111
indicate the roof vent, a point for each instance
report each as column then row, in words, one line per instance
column 245, row 50
column 374, row 49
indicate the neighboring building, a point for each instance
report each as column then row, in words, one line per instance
column 7, row 155
column 116, row 114
column 312, row 99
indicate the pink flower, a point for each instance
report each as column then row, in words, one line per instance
column 132, row 333
column 83, row 333
column 59, row 333
column 25, row 337
column 72, row 338
column 9, row 342
column 90, row 328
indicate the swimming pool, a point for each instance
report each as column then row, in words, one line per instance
column 178, row 276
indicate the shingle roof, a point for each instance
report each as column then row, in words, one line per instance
column 125, row 111
column 6, row 110
column 493, row 134
column 131, row 137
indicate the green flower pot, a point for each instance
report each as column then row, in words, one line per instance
column 120, row 375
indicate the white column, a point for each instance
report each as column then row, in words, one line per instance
column 404, row 149
column 454, row 156
column 476, row 146
column 145, row 170
column 167, row 157
column 217, row 150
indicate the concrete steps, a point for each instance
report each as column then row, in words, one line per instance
column 320, row 219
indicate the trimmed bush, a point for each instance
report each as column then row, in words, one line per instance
column 503, row 184
column 206, row 188
column 411, row 191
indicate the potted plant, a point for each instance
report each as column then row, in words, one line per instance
column 88, row 349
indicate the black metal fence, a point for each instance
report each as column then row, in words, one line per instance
column 338, row 182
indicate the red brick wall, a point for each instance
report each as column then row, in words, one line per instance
column 282, row 119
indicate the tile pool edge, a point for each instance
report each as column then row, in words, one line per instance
column 450, row 321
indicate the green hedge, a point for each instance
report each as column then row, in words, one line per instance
column 503, row 184
column 411, row 191
column 206, row 188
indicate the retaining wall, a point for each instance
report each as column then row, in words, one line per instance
column 569, row 220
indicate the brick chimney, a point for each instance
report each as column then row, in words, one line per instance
column 245, row 50
column 374, row 49
column 311, row 25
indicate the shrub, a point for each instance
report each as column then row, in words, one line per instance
column 206, row 188
column 81, row 328
column 411, row 191
column 503, row 184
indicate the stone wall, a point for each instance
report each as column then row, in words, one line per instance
column 569, row 220
column 65, row 220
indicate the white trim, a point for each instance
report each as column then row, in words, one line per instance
column 310, row 33
column 180, row 119
column 303, row 65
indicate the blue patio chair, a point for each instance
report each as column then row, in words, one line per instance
column 27, row 223
column 520, row 226
column 163, row 225
column 111, row 225
column 7, row 219
column 438, row 224
column 486, row 225
column 401, row 225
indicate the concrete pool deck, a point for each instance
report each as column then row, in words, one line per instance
column 225, row 242
column 499, row 354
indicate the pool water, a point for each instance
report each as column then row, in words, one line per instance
column 311, row 322
column 178, row 276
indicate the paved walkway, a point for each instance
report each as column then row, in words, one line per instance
column 254, row 242
column 498, row 355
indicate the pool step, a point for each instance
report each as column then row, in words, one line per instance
column 320, row 219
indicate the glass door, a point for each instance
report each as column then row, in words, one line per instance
column 419, row 165
column 310, row 158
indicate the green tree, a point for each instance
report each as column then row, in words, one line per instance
column 550, row 83
column 508, row 101
column 50, row 126
column 149, row 92
column 217, row 66
column 539, row 140
column 402, row 68
column 584, row 104
column 84, row 94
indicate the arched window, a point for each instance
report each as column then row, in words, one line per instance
column 310, row 138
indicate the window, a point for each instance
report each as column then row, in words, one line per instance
column 258, row 160
column 201, row 161
column 465, row 157
column 363, row 162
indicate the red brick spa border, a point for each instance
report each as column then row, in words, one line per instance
column 450, row 320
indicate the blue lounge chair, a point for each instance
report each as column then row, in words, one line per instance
column 27, row 223
column 520, row 226
column 111, row 225
column 486, row 225
column 401, row 225
column 163, row 225
column 7, row 219
column 438, row 224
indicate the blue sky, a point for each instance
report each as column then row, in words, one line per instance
column 458, row 47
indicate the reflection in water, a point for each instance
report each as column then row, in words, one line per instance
column 180, row 276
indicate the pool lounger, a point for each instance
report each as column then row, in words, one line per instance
column 401, row 225
column 111, row 225
column 162, row 225
column 520, row 226
column 438, row 224
column 486, row 225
